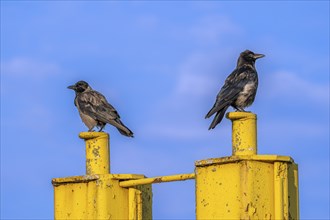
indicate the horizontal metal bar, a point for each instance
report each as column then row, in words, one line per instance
column 159, row 179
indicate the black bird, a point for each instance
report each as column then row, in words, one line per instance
column 240, row 88
column 95, row 110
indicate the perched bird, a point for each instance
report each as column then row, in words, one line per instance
column 95, row 110
column 240, row 87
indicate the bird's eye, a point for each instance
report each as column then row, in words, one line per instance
column 251, row 56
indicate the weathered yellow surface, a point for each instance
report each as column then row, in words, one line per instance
column 159, row 179
column 97, row 152
column 244, row 133
column 242, row 186
column 246, row 185
column 98, row 197
column 247, row 189
column 231, row 159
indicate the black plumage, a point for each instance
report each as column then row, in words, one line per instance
column 95, row 110
column 240, row 88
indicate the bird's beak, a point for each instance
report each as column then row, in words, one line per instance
column 72, row 87
column 257, row 56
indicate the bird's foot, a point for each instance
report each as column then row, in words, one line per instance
column 242, row 110
column 101, row 128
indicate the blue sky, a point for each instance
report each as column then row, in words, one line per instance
column 161, row 65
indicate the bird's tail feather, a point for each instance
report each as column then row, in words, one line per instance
column 121, row 127
column 124, row 130
column 218, row 117
column 216, row 108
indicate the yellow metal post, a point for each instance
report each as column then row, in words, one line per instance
column 97, row 152
column 98, row 195
column 246, row 185
column 244, row 133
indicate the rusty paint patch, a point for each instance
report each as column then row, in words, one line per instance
column 96, row 151
column 74, row 179
column 99, row 182
column 157, row 180
column 268, row 216
column 204, row 202
column 251, row 209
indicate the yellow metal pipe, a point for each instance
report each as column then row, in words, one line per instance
column 97, row 152
column 159, row 179
column 244, row 133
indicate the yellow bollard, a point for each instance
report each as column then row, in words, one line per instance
column 244, row 133
column 97, row 152
column 98, row 194
column 246, row 185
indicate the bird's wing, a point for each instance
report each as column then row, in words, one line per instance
column 95, row 105
column 234, row 84
column 108, row 107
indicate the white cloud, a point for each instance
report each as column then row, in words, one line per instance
column 22, row 66
column 181, row 115
column 37, row 117
column 193, row 84
column 287, row 85
column 289, row 129
column 198, row 82
column 176, row 131
column 199, row 74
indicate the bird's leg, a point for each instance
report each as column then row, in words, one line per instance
column 239, row 109
column 102, row 126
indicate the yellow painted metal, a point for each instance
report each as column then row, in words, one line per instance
column 136, row 204
column 286, row 184
column 159, row 179
column 132, row 214
column 97, row 152
column 242, row 186
column 98, row 195
column 246, row 185
column 244, row 133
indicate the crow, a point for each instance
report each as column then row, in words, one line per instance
column 95, row 110
column 240, row 88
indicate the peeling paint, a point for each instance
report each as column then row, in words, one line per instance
column 251, row 209
column 96, row 151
